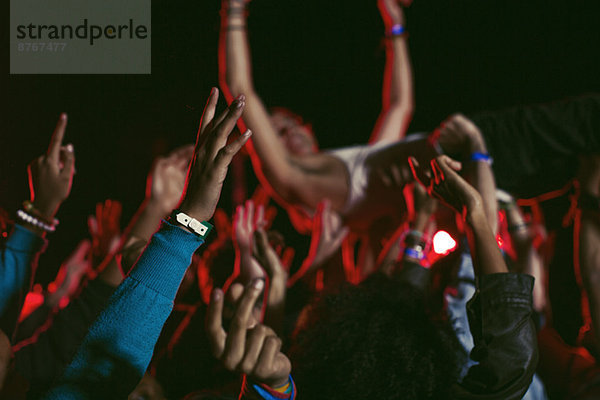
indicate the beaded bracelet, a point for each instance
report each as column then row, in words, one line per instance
column 30, row 219
column 30, row 208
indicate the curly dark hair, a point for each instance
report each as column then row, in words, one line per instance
column 374, row 341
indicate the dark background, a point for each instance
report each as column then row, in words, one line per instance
column 320, row 58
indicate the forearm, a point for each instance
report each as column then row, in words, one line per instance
column 17, row 265
column 479, row 174
column 505, row 339
column 235, row 64
column 397, row 92
column 487, row 258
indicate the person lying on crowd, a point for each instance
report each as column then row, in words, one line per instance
column 50, row 179
column 283, row 150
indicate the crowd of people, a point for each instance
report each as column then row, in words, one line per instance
column 188, row 302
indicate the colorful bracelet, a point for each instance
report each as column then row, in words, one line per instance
column 31, row 220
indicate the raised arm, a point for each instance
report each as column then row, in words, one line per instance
column 50, row 178
column 500, row 313
column 293, row 179
column 398, row 94
column 460, row 137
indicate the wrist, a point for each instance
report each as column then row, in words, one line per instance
column 277, row 383
column 47, row 210
column 196, row 213
column 475, row 216
column 395, row 30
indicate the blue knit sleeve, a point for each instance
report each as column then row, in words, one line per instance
column 17, row 262
column 118, row 347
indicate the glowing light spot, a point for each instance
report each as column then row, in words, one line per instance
column 500, row 241
column 443, row 243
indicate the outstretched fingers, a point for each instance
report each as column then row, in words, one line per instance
column 226, row 154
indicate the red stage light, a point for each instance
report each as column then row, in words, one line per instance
column 443, row 243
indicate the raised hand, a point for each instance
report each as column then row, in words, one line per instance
column 211, row 158
column 51, row 175
column 69, row 277
column 167, row 179
column 442, row 180
column 459, row 135
column 253, row 349
column 105, row 229
column 248, row 218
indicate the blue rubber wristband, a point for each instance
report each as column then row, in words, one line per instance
column 397, row 30
column 482, row 157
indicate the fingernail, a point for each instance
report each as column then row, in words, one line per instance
column 258, row 284
column 216, row 295
column 70, row 148
column 239, row 104
column 213, row 91
column 247, row 134
column 63, row 116
column 241, row 97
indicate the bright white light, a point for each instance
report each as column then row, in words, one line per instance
column 443, row 243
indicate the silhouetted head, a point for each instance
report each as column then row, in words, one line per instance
column 374, row 341
column 297, row 136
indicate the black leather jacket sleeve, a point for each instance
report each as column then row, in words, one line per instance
column 505, row 339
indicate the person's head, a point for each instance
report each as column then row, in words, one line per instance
column 297, row 136
column 374, row 341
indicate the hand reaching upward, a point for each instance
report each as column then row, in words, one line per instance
column 211, row 158
column 51, row 174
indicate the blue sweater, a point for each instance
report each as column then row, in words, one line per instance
column 119, row 345
column 17, row 260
